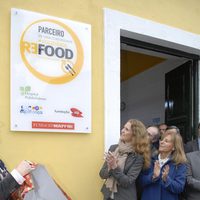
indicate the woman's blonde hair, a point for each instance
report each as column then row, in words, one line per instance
column 140, row 140
column 178, row 154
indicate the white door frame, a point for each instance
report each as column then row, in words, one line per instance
column 118, row 24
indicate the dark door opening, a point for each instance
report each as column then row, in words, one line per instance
column 181, row 89
column 178, row 99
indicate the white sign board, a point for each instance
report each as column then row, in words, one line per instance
column 50, row 73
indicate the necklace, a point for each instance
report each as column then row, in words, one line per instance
column 162, row 161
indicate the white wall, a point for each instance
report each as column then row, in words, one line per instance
column 144, row 94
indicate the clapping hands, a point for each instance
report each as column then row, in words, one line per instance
column 165, row 173
column 111, row 160
column 157, row 171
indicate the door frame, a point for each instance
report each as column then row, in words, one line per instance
column 117, row 24
column 194, row 94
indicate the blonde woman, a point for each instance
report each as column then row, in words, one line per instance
column 166, row 177
column 124, row 161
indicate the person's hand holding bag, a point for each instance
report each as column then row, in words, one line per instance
column 25, row 167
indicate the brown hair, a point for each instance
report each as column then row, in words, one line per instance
column 178, row 154
column 141, row 140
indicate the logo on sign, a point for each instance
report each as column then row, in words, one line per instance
column 75, row 112
column 51, row 51
column 31, row 110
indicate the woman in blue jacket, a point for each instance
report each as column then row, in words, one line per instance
column 166, row 177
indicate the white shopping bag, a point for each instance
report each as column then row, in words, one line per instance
column 44, row 187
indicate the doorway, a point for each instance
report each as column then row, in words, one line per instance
column 117, row 24
column 158, row 85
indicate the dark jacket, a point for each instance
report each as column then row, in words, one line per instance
column 126, row 179
column 7, row 183
column 191, row 146
column 159, row 190
column 193, row 176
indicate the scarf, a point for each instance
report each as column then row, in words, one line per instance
column 121, row 152
column 162, row 161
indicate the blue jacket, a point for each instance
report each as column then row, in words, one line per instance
column 160, row 190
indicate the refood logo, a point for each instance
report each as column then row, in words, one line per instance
column 51, row 51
